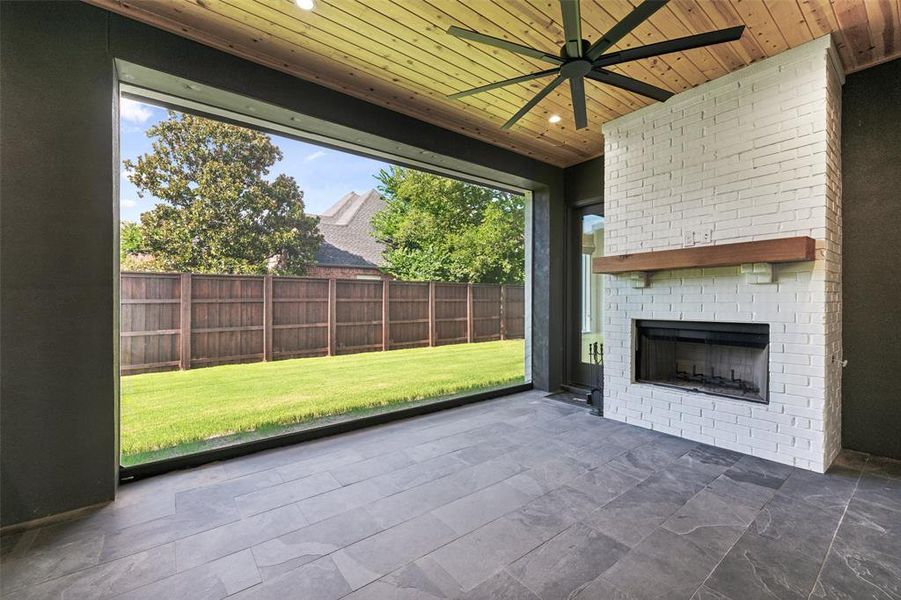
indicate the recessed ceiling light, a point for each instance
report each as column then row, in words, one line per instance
column 305, row 4
column 554, row 119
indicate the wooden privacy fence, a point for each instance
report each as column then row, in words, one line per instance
column 246, row 318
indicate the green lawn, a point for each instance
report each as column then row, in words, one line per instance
column 174, row 412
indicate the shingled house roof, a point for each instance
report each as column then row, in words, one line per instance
column 347, row 232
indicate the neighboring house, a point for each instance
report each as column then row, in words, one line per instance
column 348, row 248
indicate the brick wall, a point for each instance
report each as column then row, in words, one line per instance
column 833, row 260
column 752, row 155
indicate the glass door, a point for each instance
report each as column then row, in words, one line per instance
column 587, row 305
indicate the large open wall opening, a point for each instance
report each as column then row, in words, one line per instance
column 270, row 286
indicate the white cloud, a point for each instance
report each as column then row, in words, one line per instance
column 315, row 155
column 129, row 203
column 131, row 110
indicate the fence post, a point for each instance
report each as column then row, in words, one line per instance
column 469, row 324
column 332, row 314
column 432, row 313
column 503, row 312
column 267, row 317
column 386, row 314
column 184, row 351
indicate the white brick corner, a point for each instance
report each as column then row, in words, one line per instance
column 752, row 155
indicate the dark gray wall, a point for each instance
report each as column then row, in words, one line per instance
column 871, row 259
column 57, row 388
column 584, row 182
column 59, row 407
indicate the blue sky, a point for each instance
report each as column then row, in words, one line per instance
column 323, row 174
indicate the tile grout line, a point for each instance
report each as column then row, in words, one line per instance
column 466, row 466
column 745, row 530
column 725, row 554
column 402, row 522
column 559, row 533
column 237, row 520
column 374, row 442
column 329, row 471
column 638, row 483
column 101, row 563
column 256, row 565
column 504, row 568
column 835, row 533
column 737, row 539
column 429, row 512
column 241, row 518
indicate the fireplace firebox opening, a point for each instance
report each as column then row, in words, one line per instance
column 721, row 359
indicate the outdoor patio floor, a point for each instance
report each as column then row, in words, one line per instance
column 522, row 497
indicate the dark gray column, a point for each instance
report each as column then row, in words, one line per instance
column 548, row 286
column 584, row 182
column 871, row 259
column 57, row 347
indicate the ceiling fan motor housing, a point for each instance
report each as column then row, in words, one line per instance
column 565, row 55
column 575, row 68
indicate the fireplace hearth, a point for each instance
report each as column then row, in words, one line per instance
column 721, row 359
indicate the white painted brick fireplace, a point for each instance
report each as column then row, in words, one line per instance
column 750, row 156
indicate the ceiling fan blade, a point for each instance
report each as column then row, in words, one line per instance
column 678, row 45
column 572, row 27
column 622, row 29
column 577, row 91
column 498, row 84
column 531, row 103
column 629, row 84
column 481, row 38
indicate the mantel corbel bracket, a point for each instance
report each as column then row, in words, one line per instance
column 756, row 273
column 640, row 279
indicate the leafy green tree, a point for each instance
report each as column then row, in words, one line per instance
column 442, row 229
column 219, row 213
column 131, row 239
column 132, row 256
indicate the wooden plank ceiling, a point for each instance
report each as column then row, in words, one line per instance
column 396, row 53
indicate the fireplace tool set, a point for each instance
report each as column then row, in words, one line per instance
column 596, row 396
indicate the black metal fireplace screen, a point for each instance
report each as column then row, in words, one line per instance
column 722, row 359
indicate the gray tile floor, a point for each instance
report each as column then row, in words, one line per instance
column 521, row 497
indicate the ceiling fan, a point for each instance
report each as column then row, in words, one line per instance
column 579, row 60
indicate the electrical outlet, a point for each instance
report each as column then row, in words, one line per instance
column 688, row 238
column 707, row 236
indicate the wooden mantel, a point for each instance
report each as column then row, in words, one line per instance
column 794, row 249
